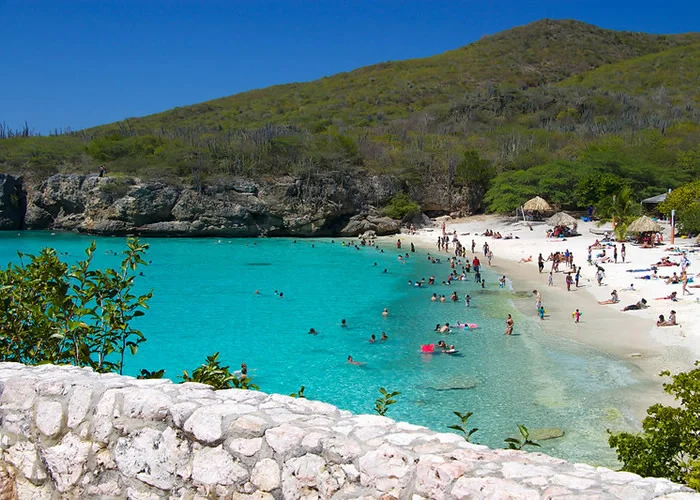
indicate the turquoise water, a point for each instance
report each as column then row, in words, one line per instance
column 205, row 301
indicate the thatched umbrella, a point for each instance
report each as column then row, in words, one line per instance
column 537, row 204
column 644, row 225
column 561, row 219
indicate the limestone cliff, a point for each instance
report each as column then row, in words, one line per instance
column 320, row 205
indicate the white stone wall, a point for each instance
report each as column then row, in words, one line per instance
column 67, row 432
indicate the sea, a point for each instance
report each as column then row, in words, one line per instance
column 254, row 301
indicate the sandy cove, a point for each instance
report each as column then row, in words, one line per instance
column 629, row 335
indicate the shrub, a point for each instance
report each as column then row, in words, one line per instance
column 401, row 206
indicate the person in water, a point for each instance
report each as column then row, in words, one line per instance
column 373, row 339
column 312, row 331
column 385, row 312
column 384, row 337
column 509, row 325
column 353, row 362
column 244, row 371
column 343, row 323
column 445, row 328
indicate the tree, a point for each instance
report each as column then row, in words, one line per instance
column 621, row 208
column 669, row 444
column 476, row 173
column 55, row 313
column 686, row 201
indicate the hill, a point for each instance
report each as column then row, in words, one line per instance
column 478, row 117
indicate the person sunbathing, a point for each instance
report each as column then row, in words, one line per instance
column 529, row 259
column 614, row 299
column 642, row 304
column 673, row 297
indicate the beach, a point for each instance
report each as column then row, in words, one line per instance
column 630, row 335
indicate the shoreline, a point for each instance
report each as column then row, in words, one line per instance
column 631, row 336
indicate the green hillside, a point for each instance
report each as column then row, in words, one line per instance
column 546, row 108
column 673, row 73
column 539, row 53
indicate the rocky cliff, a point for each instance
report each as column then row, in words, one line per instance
column 321, row 205
column 66, row 432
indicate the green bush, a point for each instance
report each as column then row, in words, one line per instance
column 669, row 444
column 401, row 206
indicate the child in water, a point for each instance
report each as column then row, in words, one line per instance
column 540, row 311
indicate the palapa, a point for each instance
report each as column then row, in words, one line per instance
column 561, row 219
column 644, row 225
column 537, row 204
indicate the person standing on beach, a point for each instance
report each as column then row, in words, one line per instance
column 578, row 276
column 577, row 316
column 489, row 256
column 486, row 249
column 568, row 282
column 473, row 245
column 684, row 278
column 540, row 263
column 509, row 325
column 623, row 252
column 615, row 253
column 550, row 280
column 538, row 299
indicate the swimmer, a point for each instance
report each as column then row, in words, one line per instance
column 343, row 323
column 384, row 337
column 281, row 294
column 353, row 362
column 445, row 328
column 434, row 298
column 437, row 327
column 312, row 331
column 467, row 299
column 385, row 312
column 244, row 371
column 509, row 325
column 257, row 292
column 373, row 339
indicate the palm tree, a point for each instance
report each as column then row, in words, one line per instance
column 621, row 208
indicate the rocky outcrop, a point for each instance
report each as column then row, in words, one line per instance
column 318, row 205
column 67, row 432
column 13, row 203
column 286, row 206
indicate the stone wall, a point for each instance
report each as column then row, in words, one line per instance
column 70, row 433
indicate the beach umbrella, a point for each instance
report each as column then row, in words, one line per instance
column 537, row 204
column 561, row 219
column 644, row 225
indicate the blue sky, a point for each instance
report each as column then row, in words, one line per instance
column 83, row 63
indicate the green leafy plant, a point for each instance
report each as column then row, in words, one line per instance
column 299, row 393
column 401, row 206
column 146, row 374
column 462, row 427
column 517, row 444
column 217, row 376
column 56, row 313
column 669, row 444
column 384, row 401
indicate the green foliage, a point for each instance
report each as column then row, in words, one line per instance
column 384, row 401
column 669, row 444
column 146, row 374
column 686, row 201
column 620, row 207
column 217, row 376
column 517, row 444
column 299, row 393
column 55, row 313
column 401, row 206
column 462, row 427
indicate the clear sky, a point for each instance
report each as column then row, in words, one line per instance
column 84, row 63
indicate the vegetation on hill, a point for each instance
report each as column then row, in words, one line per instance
column 548, row 108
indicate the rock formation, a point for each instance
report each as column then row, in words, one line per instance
column 321, row 205
column 67, row 432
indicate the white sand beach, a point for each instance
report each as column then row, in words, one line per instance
column 632, row 334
